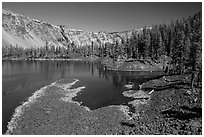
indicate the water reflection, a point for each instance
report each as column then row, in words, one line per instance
column 22, row 78
column 122, row 78
column 108, row 90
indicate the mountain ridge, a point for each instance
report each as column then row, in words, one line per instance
column 25, row 32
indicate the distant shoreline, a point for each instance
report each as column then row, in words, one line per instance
column 43, row 59
column 108, row 63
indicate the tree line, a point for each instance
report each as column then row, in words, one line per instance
column 181, row 40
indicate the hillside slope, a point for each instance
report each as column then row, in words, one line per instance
column 25, row 32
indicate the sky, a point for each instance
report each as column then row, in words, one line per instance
column 109, row 16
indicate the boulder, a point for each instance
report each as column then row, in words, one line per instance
column 136, row 94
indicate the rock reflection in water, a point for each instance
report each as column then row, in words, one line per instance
column 100, row 94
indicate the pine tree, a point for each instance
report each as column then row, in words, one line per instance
column 186, row 54
column 92, row 48
column 146, row 39
column 161, row 48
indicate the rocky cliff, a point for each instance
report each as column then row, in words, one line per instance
column 25, row 32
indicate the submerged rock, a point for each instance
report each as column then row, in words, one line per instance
column 129, row 86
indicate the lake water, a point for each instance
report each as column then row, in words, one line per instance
column 20, row 79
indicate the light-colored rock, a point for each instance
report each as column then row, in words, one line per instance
column 137, row 94
column 136, row 102
column 71, row 93
column 129, row 86
column 20, row 30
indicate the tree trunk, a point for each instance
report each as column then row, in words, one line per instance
column 199, row 78
column 193, row 76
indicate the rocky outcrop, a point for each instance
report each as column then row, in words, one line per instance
column 25, row 32
column 20, row 30
column 132, row 65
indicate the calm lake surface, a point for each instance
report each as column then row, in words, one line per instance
column 20, row 79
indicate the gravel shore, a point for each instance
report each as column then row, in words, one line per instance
column 168, row 109
column 50, row 114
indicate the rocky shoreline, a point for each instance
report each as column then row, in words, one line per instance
column 159, row 108
column 51, row 110
column 132, row 65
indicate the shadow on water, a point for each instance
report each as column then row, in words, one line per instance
column 127, row 124
column 183, row 113
column 177, row 85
